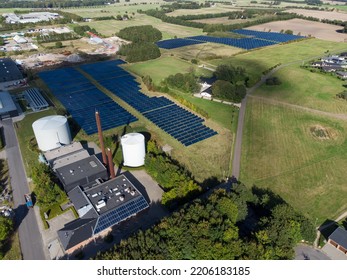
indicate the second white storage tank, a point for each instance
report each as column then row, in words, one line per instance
column 134, row 151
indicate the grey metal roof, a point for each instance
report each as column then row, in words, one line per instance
column 9, row 70
column 81, row 203
column 76, row 232
column 79, row 170
column 6, row 102
column 340, row 237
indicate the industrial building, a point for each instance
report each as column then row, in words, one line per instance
column 100, row 205
column 9, row 71
column 52, row 132
column 81, row 173
column 30, row 17
column 65, row 155
column 7, row 107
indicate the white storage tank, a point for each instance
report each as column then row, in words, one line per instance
column 52, row 132
column 133, row 146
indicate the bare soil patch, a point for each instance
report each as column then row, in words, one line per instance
column 306, row 28
column 320, row 14
column 323, row 133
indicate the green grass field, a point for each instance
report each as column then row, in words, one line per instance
column 110, row 27
column 257, row 61
column 280, row 152
column 162, row 67
column 302, row 87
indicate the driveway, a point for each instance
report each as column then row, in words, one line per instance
column 304, row 252
column 333, row 253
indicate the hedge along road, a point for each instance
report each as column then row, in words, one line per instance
column 238, row 141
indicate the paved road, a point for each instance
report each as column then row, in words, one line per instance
column 29, row 234
column 304, row 252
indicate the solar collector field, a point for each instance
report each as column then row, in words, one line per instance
column 181, row 124
column 270, row 36
column 81, row 98
column 256, row 39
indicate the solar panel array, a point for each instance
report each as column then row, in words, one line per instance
column 270, row 36
column 176, row 121
column 258, row 39
column 180, row 124
column 35, row 99
column 176, row 43
column 243, row 43
column 81, row 98
column 121, row 213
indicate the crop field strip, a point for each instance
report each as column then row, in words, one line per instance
column 181, row 124
column 258, row 39
column 81, row 98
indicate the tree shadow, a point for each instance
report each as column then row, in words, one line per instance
column 20, row 213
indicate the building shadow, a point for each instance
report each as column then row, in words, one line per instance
column 137, row 185
column 327, row 228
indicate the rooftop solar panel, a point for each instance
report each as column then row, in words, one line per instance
column 121, row 213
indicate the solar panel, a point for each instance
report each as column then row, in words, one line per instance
column 121, row 213
column 81, row 98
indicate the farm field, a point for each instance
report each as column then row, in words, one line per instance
column 219, row 8
column 319, row 14
column 113, row 9
column 226, row 20
column 257, row 61
column 298, row 155
column 305, row 28
column 110, row 27
column 302, row 87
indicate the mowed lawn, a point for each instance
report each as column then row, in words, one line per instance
column 25, row 133
column 257, row 61
column 302, row 87
column 280, row 152
column 111, row 27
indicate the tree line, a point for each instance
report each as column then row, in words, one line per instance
column 242, row 223
column 177, row 182
column 161, row 14
column 143, row 45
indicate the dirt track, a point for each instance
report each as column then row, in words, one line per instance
column 305, row 27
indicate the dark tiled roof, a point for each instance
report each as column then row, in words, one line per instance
column 340, row 237
column 76, row 232
column 9, row 70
